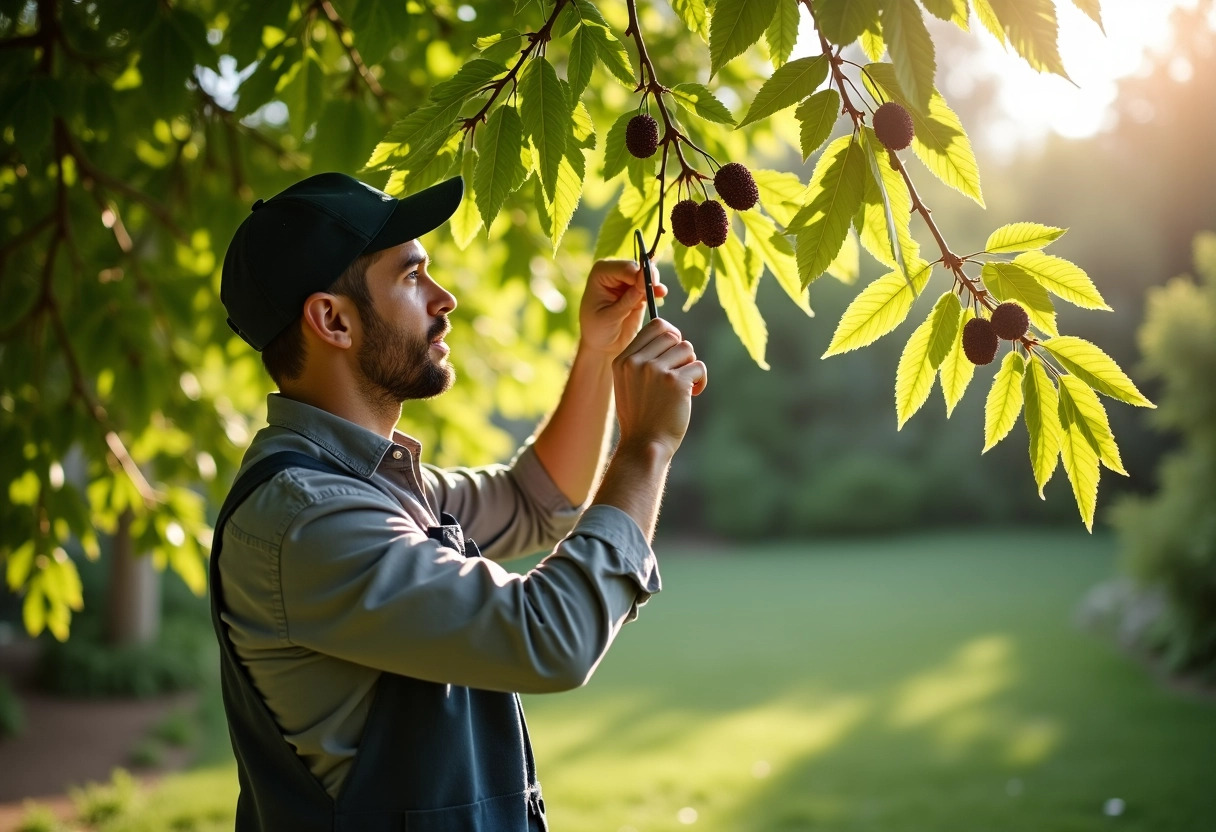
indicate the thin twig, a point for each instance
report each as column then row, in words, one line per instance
column 340, row 28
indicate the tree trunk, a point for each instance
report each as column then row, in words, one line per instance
column 133, row 605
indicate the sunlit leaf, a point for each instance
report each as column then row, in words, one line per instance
column 694, row 15
column 871, row 41
column 571, row 172
column 410, row 135
column 983, row 10
column 843, row 21
column 700, row 100
column 465, row 223
column 1093, row 9
column 499, row 170
column 816, row 116
column 944, row 335
column 787, row 86
column 613, row 54
column 956, row 370
column 836, row 190
column 1031, row 28
column 1095, row 368
column 580, row 62
column 1062, row 278
column 886, row 211
column 914, row 374
column 781, row 194
column 954, row 11
column 911, row 50
column 1091, row 416
column 1004, row 401
column 782, row 32
column 734, row 26
column 777, row 254
column 1009, row 282
column 738, row 298
column 847, row 266
column 692, row 270
column 472, row 76
column 1022, row 236
column 1042, row 422
column 546, row 118
column 1080, row 457
column 616, row 155
column 877, row 309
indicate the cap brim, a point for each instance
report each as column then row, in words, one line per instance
column 419, row 214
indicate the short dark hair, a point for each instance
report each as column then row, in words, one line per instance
column 284, row 356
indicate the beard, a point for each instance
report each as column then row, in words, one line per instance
column 396, row 365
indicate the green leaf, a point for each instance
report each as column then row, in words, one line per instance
column 886, row 210
column 412, row 135
column 613, row 55
column 911, row 50
column 877, row 309
column 694, row 15
column 1009, row 282
column 700, row 100
column 569, row 189
column 816, row 116
column 546, row 115
column 915, row 372
column 616, row 155
column 499, row 170
column 787, row 86
column 836, row 190
column 1004, row 400
column 580, row 63
column 304, row 94
column 1093, row 9
column 1095, row 368
column 781, row 194
column 939, row 140
column 871, row 41
column 1022, row 236
column 1091, row 417
column 954, row 11
column 1042, row 423
column 692, row 270
column 847, row 266
column 1080, row 457
column 956, row 370
column 472, row 76
column 843, row 21
column 1031, row 28
column 501, row 47
column 983, row 10
column 1062, row 278
column 377, row 27
column 782, row 32
column 778, row 255
column 734, row 26
column 946, row 313
column 641, row 207
column 467, row 220
column 737, row 295
column 615, row 235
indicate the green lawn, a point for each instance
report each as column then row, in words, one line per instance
column 930, row 683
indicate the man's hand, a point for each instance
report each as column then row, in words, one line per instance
column 613, row 305
column 655, row 378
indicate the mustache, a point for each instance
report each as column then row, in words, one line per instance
column 439, row 328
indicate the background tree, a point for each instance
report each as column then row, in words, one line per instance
column 136, row 134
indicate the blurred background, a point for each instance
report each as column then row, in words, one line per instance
column 861, row 628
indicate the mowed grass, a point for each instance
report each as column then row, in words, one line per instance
column 931, row 683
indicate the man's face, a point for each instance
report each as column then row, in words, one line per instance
column 402, row 354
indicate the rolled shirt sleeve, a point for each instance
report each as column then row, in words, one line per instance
column 362, row 582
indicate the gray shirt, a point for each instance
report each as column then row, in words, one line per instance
column 327, row 581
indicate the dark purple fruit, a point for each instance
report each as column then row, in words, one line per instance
column 893, row 126
column 1010, row 321
column 712, row 225
column 642, row 135
column 979, row 341
column 736, row 186
column 684, row 222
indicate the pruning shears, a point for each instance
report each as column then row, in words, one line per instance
column 643, row 259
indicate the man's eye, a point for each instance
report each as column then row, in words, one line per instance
column 413, row 274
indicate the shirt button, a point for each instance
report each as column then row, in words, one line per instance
column 396, row 454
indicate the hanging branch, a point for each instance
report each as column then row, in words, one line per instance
column 341, row 29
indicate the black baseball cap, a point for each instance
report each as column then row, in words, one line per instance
column 301, row 240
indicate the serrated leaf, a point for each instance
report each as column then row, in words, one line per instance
column 1042, row 423
column 500, row 46
column 413, row 134
column 954, row 11
column 787, row 86
column 692, row 270
column 1063, row 279
column 777, row 254
column 546, row 117
column 939, row 140
column 616, row 155
column 466, row 222
column 1093, row 10
column 1031, row 28
column 641, row 207
column 694, row 15
column 1009, row 282
column 816, row 116
column 983, row 10
column 946, row 312
column 583, row 128
column 472, row 76
column 570, row 175
column 613, row 55
column 847, row 266
column 782, row 32
column 1080, row 457
column 1094, row 367
column 781, row 194
column 1004, row 401
column 580, row 62
column 734, row 26
column 956, row 370
column 499, row 170
column 614, row 237
column 737, row 294
column 1022, row 236
column 836, row 189
column 914, row 374
column 700, row 100
column 911, row 50
column 843, row 21
column 887, row 209
column 877, row 309
column 871, row 41
column 1092, row 419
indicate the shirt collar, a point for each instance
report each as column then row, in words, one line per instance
column 360, row 449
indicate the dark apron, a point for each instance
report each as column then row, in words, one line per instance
column 432, row 758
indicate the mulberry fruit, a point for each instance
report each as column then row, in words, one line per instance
column 893, row 126
column 712, row 225
column 736, row 186
column 684, row 222
column 642, row 135
column 1010, row 321
column 979, row 341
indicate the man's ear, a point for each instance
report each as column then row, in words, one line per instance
column 330, row 318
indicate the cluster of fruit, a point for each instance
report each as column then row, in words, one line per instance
column 981, row 336
column 695, row 222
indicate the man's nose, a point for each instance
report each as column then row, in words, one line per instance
column 442, row 302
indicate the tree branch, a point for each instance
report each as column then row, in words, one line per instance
column 340, row 29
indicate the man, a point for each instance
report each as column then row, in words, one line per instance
column 370, row 658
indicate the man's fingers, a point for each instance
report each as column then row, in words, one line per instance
column 695, row 375
column 659, row 330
